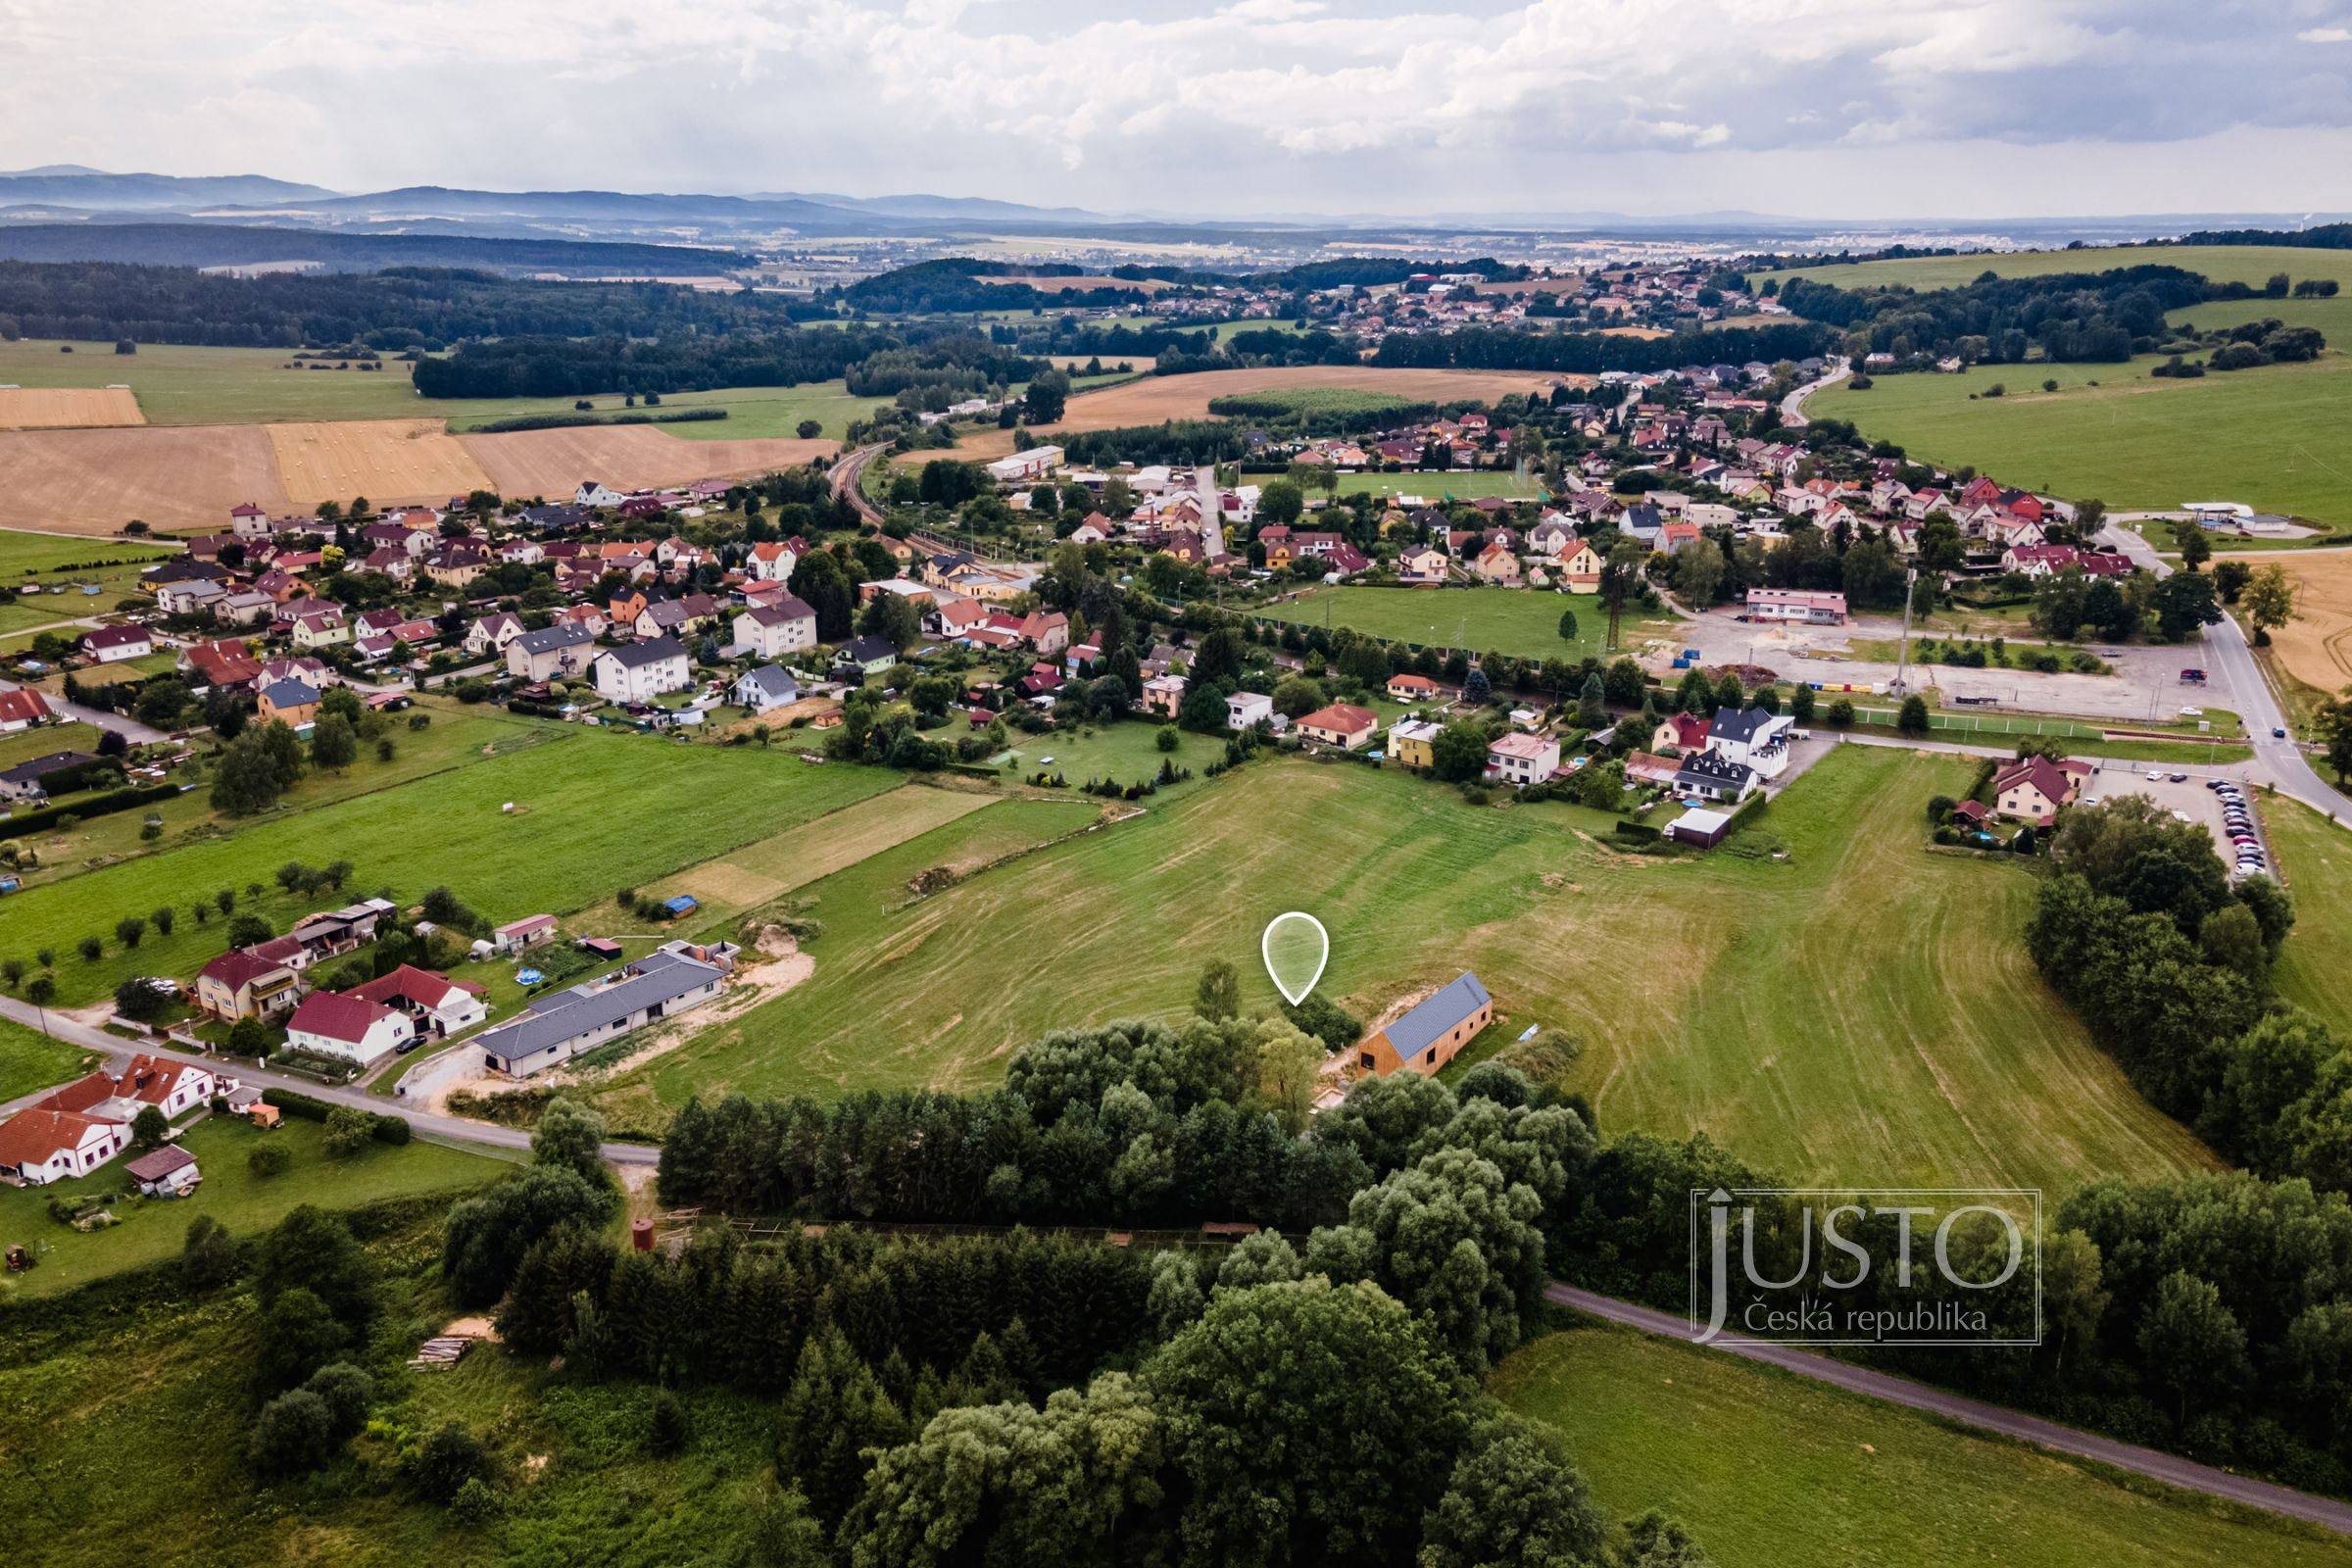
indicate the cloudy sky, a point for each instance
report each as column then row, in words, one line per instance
column 1820, row 107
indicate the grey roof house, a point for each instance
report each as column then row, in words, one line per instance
column 556, row 1028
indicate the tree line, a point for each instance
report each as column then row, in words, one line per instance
column 1591, row 353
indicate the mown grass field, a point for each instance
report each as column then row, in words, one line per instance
column 153, row 1229
column 2251, row 264
column 594, row 813
column 1524, row 623
column 1862, row 1010
column 2315, row 856
column 30, row 1060
column 188, row 384
column 2271, row 437
column 44, row 559
column 1757, row 1462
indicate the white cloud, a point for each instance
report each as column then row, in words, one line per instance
column 1145, row 103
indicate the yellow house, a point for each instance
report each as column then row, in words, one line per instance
column 1580, row 570
column 1410, row 742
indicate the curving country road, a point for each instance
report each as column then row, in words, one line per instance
column 2186, row 1474
column 1792, row 407
column 847, row 478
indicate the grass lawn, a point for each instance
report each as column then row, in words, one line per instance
column 2269, row 437
column 1861, row 1011
column 1128, row 752
column 1468, row 484
column 597, row 811
column 753, row 411
column 31, row 1060
column 1523, row 622
column 52, row 561
column 27, row 744
column 1754, row 1461
column 2251, row 264
column 152, row 1229
column 2018, row 651
column 458, row 736
column 2315, row 856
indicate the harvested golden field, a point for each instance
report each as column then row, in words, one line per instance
column 383, row 460
column 1156, row 399
column 1050, row 283
column 626, row 457
column 93, row 481
column 64, row 407
column 2317, row 646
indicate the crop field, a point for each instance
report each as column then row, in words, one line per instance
column 1277, row 403
column 152, row 1229
column 1751, row 1460
column 1861, row 1009
column 93, row 481
column 2251, row 264
column 2317, row 646
column 398, row 459
column 2315, row 856
column 2269, row 437
column 551, row 463
column 1156, row 399
column 594, row 813
column 1522, row 622
column 49, row 409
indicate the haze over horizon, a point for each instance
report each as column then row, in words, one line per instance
column 1824, row 110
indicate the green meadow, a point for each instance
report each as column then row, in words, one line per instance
column 1859, row 1009
column 1524, row 623
column 1769, row 1469
column 2315, row 857
column 2250, row 265
column 2271, row 437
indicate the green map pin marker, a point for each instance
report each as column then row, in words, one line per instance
column 1296, row 948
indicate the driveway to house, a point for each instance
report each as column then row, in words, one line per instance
column 2186, row 1474
column 1792, row 407
column 134, row 731
column 446, row 1129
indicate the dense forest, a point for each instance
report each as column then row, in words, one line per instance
column 398, row 308
column 1591, row 353
column 958, row 283
column 2318, row 237
column 875, row 363
column 219, row 245
column 2069, row 315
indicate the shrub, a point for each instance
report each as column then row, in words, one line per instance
column 450, row 1458
column 291, row 1434
column 349, row 1130
column 668, row 1431
column 269, row 1159
column 347, row 1392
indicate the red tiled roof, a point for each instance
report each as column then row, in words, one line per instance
column 424, row 987
column 338, row 1015
column 33, row 1137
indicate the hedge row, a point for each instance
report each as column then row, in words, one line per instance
column 122, row 799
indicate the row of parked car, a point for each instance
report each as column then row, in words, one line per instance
column 2237, row 822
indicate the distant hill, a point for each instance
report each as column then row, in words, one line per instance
column 227, row 245
column 96, row 190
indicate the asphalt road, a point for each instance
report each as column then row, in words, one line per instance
column 2233, row 680
column 446, row 1129
column 1792, row 407
column 2186, row 1474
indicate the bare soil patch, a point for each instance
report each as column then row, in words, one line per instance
column 627, row 457
column 68, row 408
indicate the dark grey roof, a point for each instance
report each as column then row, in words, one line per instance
column 555, row 639
column 1738, row 728
column 652, row 650
column 27, row 772
column 658, row 977
column 1413, row 1033
column 1713, row 767
column 867, row 649
column 773, row 682
column 290, row 693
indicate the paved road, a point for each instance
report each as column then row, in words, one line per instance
column 134, row 731
column 1792, row 407
column 449, row 1129
column 847, row 473
column 2186, row 1474
column 2234, row 680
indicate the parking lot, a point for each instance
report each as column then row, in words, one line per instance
column 2187, row 797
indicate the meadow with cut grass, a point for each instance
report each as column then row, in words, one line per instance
column 1524, row 623
column 1753, row 1460
column 2315, row 857
column 593, row 813
column 1860, row 1010
column 1446, row 484
column 2250, row 265
column 2271, row 437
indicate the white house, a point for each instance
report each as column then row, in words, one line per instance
column 432, row 1000
column 1755, row 738
column 38, row 1147
column 772, row 561
column 110, row 645
column 563, row 649
column 492, row 633
column 765, row 688
column 775, row 629
column 1519, row 760
column 1021, row 466
column 593, row 494
column 639, row 672
column 333, row 1023
column 1243, row 709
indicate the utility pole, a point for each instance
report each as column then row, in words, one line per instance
column 1902, row 650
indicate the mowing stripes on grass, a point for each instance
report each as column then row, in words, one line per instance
column 1751, row 1460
